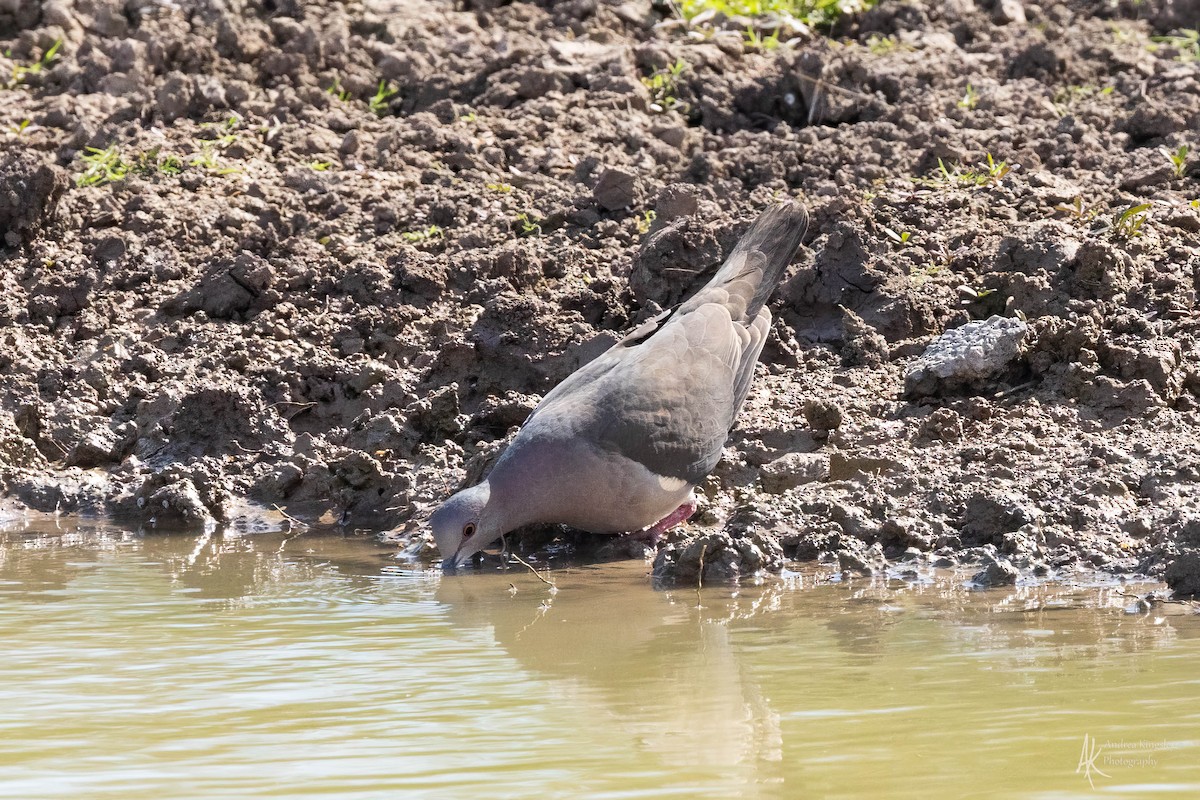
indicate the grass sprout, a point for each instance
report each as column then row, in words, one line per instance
column 383, row 95
column 528, row 225
column 806, row 12
column 1128, row 224
column 1178, row 158
column 970, row 99
column 1186, row 41
column 102, row 166
column 416, row 237
column 663, row 84
column 21, row 70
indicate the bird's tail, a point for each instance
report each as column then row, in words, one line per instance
column 756, row 265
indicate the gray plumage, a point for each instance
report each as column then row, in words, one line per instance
column 622, row 442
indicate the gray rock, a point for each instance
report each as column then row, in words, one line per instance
column 792, row 470
column 615, row 189
column 1183, row 574
column 823, row 415
column 997, row 571
column 966, row 356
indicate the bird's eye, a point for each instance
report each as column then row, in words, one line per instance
column 468, row 530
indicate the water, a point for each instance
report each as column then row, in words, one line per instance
column 316, row 666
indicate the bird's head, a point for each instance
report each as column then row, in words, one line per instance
column 462, row 527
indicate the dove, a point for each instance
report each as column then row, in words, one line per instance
column 620, row 445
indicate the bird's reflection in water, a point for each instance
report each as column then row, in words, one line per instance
column 660, row 665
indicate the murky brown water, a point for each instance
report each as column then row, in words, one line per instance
column 184, row 667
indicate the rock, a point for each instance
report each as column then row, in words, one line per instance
column 103, row 445
column 823, row 415
column 855, row 557
column 1183, row 574
column 792, row 470
column 437, row 412
column 987, row 517
column 966, row 357
column 1008, row 11
column 29, row 193
column 615, row 189
column 722, row 557
column 15, row 449
column 673, row 261
column 863, row 346
column 997, row 571
column 675, row 201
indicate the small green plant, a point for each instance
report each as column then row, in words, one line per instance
column 319, row 166
column 149, row 163
column 383, row 95
column 20, row 127
column 528, row 225
column 663, row 84
column 901, row 239
column 756, row 41
column 882, row 45
column 415, row 237
column 470, row 116
column 1077, row 209
column 209, row 159
column 646, row 220
column 337, row 91
column 1186, row 41
column 817, row 13
column 103, row 166
column 992, row 171
column 21, row 70
column 970, row 99
column 1129, row 222
column 1067, row 98
column 1178, row 158
column 502, row 188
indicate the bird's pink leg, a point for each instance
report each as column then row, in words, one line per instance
column 681, row 514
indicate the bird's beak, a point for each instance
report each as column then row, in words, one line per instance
column 453, row 562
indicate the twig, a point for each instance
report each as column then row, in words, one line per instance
column 289, row 517
column 533, row 570
column 700, row 573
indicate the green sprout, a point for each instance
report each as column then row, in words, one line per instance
column 1129, row 222
column 503, row 188
column 983, row 175
column 319, row 166
column 20, row 71
column 902, row 239
column 663, row 84
column 470, row 116
column 415, row 237
column 756, row 41
column 337, row 91
column 529, row 226
column 970, row 99
column 646, row 220
column 379, row 103
column 19, row 128
column 103, row 166
column 1186, row 41
column 149, row 163
column 819, row 13
column 1178, row 159
column 882, row 45
column 1078, row 209
column 208, row 159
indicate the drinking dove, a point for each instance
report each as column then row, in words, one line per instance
column 621, row 443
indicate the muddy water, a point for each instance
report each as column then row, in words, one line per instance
column 184, row 667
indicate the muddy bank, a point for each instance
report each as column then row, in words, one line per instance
column 326, row 256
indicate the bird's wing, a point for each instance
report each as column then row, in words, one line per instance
column 667, row 402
